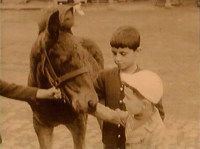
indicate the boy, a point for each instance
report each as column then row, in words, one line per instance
column 125, row 44
column 144, row 128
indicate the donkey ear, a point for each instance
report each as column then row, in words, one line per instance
column 54, row 24
column 70, row 10
column 65, row 11
column 66, row 18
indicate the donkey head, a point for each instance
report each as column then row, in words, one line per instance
column 66, row 56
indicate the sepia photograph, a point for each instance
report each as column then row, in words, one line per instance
column 99, row 74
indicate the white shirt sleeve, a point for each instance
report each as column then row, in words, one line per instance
column 109, row 115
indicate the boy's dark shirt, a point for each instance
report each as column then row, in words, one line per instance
column 110, row 93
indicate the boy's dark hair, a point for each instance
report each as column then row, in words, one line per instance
column 125, row 36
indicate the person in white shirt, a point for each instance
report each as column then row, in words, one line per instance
column 144, row 128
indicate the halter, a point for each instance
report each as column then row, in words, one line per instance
column 53, row 78
column 57, row 81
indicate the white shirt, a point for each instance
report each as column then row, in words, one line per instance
column 150, row 135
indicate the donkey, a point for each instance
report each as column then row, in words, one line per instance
column 60, row 59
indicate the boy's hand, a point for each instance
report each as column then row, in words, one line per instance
column 123, row 116
column 56, row 93
column 51, row 93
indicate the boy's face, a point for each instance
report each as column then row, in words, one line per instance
column 124, row 58
column 132, row 102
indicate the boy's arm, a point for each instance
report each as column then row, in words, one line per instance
column 109, row 115
column 51, row 93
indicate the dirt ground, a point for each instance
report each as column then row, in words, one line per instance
column 169, row 40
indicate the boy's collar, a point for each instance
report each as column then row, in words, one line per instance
column 153, row 121
column 136, row 70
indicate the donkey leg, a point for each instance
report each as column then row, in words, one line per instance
column 44, row 134
column 78, row 131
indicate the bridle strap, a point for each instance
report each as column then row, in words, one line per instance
column 69, row 75
column 49, row 66
column 54, row 79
